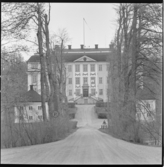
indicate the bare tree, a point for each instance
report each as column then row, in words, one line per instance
column 137, row 43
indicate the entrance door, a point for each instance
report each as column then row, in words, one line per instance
column 85, row 92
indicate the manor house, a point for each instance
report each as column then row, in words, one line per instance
column 86, row 74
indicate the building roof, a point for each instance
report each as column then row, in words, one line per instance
column 72, row 54
column 145, row 94
column 70, row 57
column 34, row 58
column 31, row 96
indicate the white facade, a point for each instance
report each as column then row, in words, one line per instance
column 97, row 74
column 146, row 110
column 29, row 112
column 99, row 87
column 34, row 71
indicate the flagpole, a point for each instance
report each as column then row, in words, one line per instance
column 83, row 33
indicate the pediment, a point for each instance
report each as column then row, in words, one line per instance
column 84, row 59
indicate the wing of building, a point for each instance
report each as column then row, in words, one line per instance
column 86, row 74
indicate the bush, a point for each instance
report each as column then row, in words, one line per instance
column 102, row 115
column 72, row 112
column 101, row 112
column 71, row 105
column 72, row 115
column 25, row 134
column 73, row 124
column 101, row 104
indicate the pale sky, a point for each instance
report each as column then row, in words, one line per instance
column 100, row 28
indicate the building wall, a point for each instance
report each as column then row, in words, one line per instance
column 34, row 68
column 104, row 85
column 69, row 86
column 26, row 112
column 146, row 110
column 73, row 74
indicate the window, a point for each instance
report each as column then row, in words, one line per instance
column 100, row 80
column 100, row 67
column 70, row 92
column 85, row 80
column 147, row 105
column 77, row 67
column 100, row 91
column 30, row 117
column 30, row 107
column 78, row 80
column 34, row 65
column 69, row 68
column 34, row 78
column 77, row 92
column 92, row 67
column 85, row 67
column 93, row 91
column 92, row 80
column 40, row 117
column 39, row 107
column 69, row 80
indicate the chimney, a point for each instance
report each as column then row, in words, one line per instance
column 69, row 47
column 96, row 46
column 111, row 46
column 31, row 87
column 82, row 46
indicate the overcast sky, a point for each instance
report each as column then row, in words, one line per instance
column 100, row 19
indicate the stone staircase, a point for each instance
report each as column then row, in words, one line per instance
column 86, row 100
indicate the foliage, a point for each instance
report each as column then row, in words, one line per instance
column 71, row 105
column 25, row 134
column 135, row 63
column 101, row 104
column 14, row 80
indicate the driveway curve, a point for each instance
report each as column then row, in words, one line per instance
column 85, row 146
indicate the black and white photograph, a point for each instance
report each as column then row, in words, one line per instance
column 81, row 83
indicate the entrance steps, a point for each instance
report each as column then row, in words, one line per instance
column 86, row 100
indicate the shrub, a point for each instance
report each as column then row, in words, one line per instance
column 101, row 104
column 102, row 115
column 71, row 105
column 24, row 134
column 72, row 112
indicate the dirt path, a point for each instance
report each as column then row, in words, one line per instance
column 86, row 146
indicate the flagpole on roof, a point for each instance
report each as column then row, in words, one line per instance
column 83, row 33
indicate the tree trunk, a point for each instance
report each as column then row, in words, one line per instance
column 134, row 54
column 53, row 107
column 40, row 42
